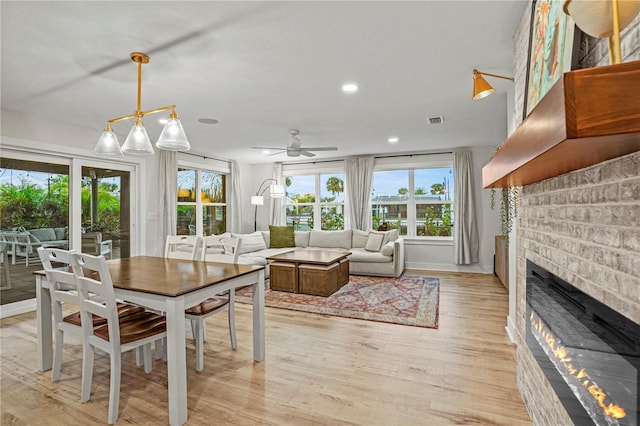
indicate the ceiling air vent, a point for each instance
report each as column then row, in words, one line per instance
column 435, row 120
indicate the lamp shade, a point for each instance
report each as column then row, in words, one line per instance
column 481, row 89
column 173, row 137
column 257, row 200
column 108, row 144
column 137, row 141
column 277, row 191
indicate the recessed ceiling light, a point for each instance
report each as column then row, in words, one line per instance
column 393, row 139
column 163, row 120
column 207, row 120
column 266, row 151
column 349, row 87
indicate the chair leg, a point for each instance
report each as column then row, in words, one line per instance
column 232, row 319
column 199, row 336
column 57, row 355
column 146, row 353
column 114, row 391
column 159, row 346
column 194, row 327
column 87, row 371
column 139, row 357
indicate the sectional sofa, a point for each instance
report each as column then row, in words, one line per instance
column 372, row 253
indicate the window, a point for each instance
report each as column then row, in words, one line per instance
column 418, row 202
column 312, row 196
column 202, row 202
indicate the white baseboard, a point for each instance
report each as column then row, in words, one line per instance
column 450, row 267
column 17, row 308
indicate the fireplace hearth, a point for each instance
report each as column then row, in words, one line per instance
column 589, row 353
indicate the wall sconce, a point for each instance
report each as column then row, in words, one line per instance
column 482, row 89
column 603, row 18
column 172, row 137
column 275, row 191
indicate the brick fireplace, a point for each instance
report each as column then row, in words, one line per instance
column 583, row 227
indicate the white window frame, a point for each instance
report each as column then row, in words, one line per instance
column 211, row 166
column 327, row 168
column 410, row 164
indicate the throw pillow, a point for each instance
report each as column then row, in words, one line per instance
column 251, row 242
column 374, row 242
column 387, row 249
column 281, row 236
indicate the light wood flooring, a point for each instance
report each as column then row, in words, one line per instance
column 319, row 370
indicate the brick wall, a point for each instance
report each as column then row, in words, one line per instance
column 583, row 226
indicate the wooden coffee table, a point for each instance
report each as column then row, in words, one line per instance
column 316, row 272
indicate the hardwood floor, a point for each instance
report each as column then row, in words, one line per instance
column 318, row 370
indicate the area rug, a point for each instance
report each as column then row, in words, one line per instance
column 408, row 300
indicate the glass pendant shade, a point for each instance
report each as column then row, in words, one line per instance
column 108, row 144
column 173, row 137
column 257, row 200
column 137, row 141
column 277, row 191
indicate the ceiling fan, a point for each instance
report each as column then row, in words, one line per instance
column 295, row 149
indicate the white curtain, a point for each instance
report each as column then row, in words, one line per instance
column 358, row 183
column 278, row 212
column 236, row 199
column 465, row 241
column 167, row 196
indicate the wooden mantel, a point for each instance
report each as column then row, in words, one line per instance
column 588, row 116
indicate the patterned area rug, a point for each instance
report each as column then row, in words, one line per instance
column 408, row 300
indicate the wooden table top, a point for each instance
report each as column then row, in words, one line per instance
column 314, row 257
column 171, row 277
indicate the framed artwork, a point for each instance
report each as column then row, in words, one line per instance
column 551, row 46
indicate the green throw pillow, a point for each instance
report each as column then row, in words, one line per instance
column 281, row 236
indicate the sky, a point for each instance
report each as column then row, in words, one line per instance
column 385, row 182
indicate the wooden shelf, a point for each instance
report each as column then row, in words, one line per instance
column 588, row 116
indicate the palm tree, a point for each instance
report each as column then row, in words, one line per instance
column 402, row 192
column 419, row 191
column 438, row 189
column 335, row 185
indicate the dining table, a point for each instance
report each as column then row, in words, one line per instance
column 169, row 286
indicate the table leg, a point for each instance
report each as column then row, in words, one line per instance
column 258, row 318
column 176, row 361
column 44, row 326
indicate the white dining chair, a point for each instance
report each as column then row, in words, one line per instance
column 64, row 290
column 117, row 335
column 215, row 248
column 181, row 247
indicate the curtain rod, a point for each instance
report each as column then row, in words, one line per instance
column 204, row 157
column 375, row 156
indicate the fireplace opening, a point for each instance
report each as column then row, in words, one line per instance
column 589, row 353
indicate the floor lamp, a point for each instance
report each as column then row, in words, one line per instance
column 275, row 190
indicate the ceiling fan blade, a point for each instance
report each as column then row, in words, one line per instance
column 277, row 152
column 279, row 148
column 307, row 153
column 322, row 148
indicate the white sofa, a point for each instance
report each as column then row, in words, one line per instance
column 365, row 259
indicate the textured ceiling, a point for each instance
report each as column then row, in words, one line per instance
column 262, row 68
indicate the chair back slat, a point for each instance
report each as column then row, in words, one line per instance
column 220, row 248
column 102, row 288
column 63, row 286
column 181, row 247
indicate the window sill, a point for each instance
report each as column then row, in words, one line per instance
column 428, row 241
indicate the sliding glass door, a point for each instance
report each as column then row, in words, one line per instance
column 106, row 212
column 48, row 201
